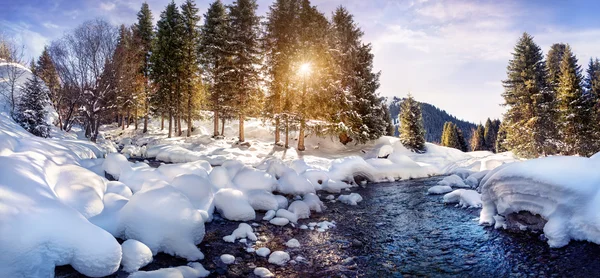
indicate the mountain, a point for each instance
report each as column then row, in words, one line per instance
column 433, row 120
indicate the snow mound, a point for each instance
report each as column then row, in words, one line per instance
column 292, row 243
column 263, row 251
column 116, row 164
column 227, row 259
column 313, row 202
column 279, row 258
column 269, row 215
column 261, row 200
column 164, row 219
column 118, row 188
column 279, row 221
column 135, row 255
column 562, row 190
column 300, row 208
column 294, row 184
column 192, row 270
column 453, row 181
column 284, row 213
column 198, row 189
column 251, row 179
column 464, row 198
column 439, row 189
column 263, row 272
column 233, row 205
column 243, row 231
column 352, row 199
column 317, row 178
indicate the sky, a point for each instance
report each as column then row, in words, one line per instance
column 452, row 54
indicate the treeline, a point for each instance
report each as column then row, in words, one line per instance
column 296, row 69
column 552, row 107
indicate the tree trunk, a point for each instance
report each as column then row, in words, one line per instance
column 179, row 123
column 241, row 129
column 170, row 123
column 162, row 121
column 135, row 118
column 277, row 135
column 123, row 121
column 301, row 137
column 223, row 127
column 287, row 133
column 146, row 106
column 189, row 117
column 128, row 117
column 216, row 123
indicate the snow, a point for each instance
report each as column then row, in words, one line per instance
column 135, row 255
column 294, row 184
column 562, row 190
column 279, row 258
column 284, row 213
column 243, row 231
column 292, row 243
column 116, row 164
column 279, row 221
column 439, row 189
column 313, row 202
column 233, row 205
column 464, row 198
column 300, row 209
column 263, row 251
column 269, row 215
column 198, row 189
column 118, row 188
column 453, row 181
column 263, row 272
column 192, row 270
column 262, row 200
column 352, row 199
column 227, row 259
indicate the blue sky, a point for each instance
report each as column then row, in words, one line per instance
column 452, row 54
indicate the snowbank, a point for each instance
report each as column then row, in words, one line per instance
column 135, row 255
column 562, row 190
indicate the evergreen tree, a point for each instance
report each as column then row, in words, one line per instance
column 245, row 47
column 462, row 142
column 574, row 108
column 31, row 113
column 528, row 120
column 144, row 32
column 360, row 108
column 412, row 133
column 167, row 64
column 501, row 139
column 127, row 80
column 478, row 139
column 46, row 71
column 453, row 137
column 490, row 134
column 592, row 88
column 192, row 85
column 214, row 56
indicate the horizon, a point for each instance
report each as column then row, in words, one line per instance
column 440, row 52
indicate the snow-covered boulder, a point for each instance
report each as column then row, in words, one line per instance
column 352, row 199
column 248, row 179
column 287, row 214
column 118, row 188
column 109, row 218
column 292, row 183
column 164, row 219
column 191, row 270
column 439, row 189
column 263, row 272
column 243, row 231
column 562, row 190
column 227, row 259
column 135, row 255
column 170, row 171
column 314, row 203
column 233, row 205
column 318, row 178
column 116, row 164
column 219, row 177
column 464, row 198
column 453, row 181
column 279, row 258
column 198, row 189
column 262, row 200
column 263, row 251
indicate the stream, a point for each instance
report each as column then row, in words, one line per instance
column 396, row 231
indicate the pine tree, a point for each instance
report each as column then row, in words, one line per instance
column 501, row 139
column 490, row 135
column 478, row 139
column 46, row 71
column 412, row 133
column 145, row 35
column 462, row 143
column 214, row 56
column 128, row 81
column 245, row 47
column 192, row 85
column 592, row 88
column 31, row 113
column 167, row 63
column 360, row 107
column 574, row 108
column 528, row 119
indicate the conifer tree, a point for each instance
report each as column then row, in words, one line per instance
column 574, row 108
column 167, row 64
column 529, row 115
column 478, row 139
column 46, row 71
column 144, row 32
column 412, row 132
column 462, row 143
column 31, row 113
column 214, row 56
column 490, row 135
column 501, row 139
column 190, row 78
column 245, row 47
column 128, row 81
column 592, row 88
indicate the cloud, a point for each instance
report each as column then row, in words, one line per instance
column 107, row 6
column 50, row 25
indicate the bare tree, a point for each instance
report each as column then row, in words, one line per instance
column 83, row 61
column 12, row 71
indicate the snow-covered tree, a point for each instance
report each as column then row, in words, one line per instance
column 31, row 112
column 144, row 32
column 412, row 132
column 191, row 79
column 46, row 71
column 528, row 120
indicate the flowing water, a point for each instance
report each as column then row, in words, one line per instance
column 397, row 231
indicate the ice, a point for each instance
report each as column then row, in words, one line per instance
column 439, row 189
column 269, row 215
column 263, row 272
column 352, row 199
column 233, row 205
column 227, row 259
column 287, row 214
column 313, row 202
column 453, row 181
column 279, row 258
column 464, row 198
column 300, row 209
column 263, row 251
column 243, row 231
column 192, row 270
column 262, row 200
column 562, row 190
column 292, row 243
column 279, row 221
column 294, row 184
column 118, row 188
column 164, row 219
column 135, row 255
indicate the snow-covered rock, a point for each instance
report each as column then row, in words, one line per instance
column 263, row 272
column 262, row 200
column 279, row 221
column 464, row 198
column 116, row 164
column 352, row 199
column 292, row 243
column 118, row 188
column 279, row 258
column 233, row 205
column 269, row 215
column 192, row 270
column 243, row 231
column 248, row 179
column 263, row 251
column 453, row 181
column 314, row 202
column 439, row 189
column 292, row 183
column 198, row 189
column 300, row 208
column 287, row 214
column 135, row 255
column 227, row 259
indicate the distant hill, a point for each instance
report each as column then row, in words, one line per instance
column 433, row 120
